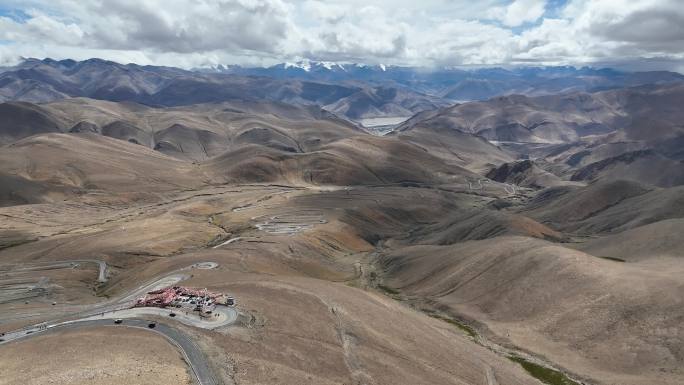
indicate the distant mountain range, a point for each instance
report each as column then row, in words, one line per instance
column 47, row 80
column 353, row 91
column 456, row 84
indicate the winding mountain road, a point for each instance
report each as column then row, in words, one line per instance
column 102, row 274
column 102, row 265
column 191, row 352
column 104, row 314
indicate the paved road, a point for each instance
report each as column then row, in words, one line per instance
column 228, row 242
column 512, row 188
column 222, row 316
column 101, row 276
column 192, row 353
column 124, row 302
column 89, row 317
column 108, row 306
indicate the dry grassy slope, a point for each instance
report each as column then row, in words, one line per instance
column 598, row 148
column 613, row 157
column 605, row 206
column 610, row 321
column 201, row 131
column 312, row 331
column 304, row 330
column 637, row 166
column 359, row 160
column 150, row 236
column 661, row 239
column 567, row 117
column 192, row 132
column 16, row 190
column 269, row 142
column 383, row 101
column 622, row 133
column 104, row 356
column 50, row 167
column 456, row 147
column 581, row 154
column 121, row 229
column 564, row 304
column 210, row 116
column 548, row 119
column 20, row 120
column 385, row 213
column 479, row 224
column 657, row 107
column 525, row 173
column 95, row 162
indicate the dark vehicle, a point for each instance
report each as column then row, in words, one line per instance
column 172, row 314
column 118, row 321
column 152, row 325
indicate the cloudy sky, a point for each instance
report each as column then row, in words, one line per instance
column 641, row 34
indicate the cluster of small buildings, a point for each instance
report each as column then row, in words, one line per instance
column 200, row 300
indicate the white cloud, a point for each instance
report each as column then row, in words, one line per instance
column 519, row 12
column 463, row 42
column 190, row 33
column 40, row 27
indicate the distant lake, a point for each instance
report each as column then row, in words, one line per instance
column 386, row 121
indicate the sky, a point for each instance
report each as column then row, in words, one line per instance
column 634, row 34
